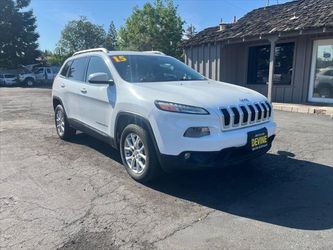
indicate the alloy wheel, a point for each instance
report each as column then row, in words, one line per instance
column 135, row 154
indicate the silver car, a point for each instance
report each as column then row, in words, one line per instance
column 8, row 79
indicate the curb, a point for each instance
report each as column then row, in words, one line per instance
column 305, row 109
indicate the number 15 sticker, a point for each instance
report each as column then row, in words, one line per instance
column 119, row 59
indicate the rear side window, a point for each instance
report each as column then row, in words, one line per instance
column 77, row 69
column 1, row 76
column 97, row 65
column 9, row 76
column 65, row 69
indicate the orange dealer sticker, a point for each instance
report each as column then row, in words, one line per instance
column 119, row 59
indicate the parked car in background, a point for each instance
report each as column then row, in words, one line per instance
column 8, row 79
column 39, row 75
column 324, row 82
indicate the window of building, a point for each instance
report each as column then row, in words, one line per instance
column 258, row 64
column 321, row 81
column 77, row 69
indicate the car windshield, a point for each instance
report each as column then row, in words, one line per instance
column 152, row 68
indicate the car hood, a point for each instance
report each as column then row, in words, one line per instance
column 207, row 94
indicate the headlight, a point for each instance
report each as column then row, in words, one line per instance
column 180, row 108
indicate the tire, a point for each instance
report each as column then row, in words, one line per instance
column 29, row 82
column 145, row 166
column 63, row 129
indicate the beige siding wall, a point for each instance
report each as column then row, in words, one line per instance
column 205, row 59
column 229, row 63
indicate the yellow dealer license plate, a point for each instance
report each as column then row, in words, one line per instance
column 258, row 139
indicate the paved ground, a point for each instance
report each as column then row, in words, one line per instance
column 76, row 195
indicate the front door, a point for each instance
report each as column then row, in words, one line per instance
column 321, row 81
column 99, row 99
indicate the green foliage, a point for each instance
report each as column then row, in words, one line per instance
column 156, row 26
column 79, row 35
column 57, row 59
column 18, row 36
column 111, row 42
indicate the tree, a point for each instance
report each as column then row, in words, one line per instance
column 18, row 39
column 111, row 38
column 154, row 27
column 190, row 31
column 79, row 35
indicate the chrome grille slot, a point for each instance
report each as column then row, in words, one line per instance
column 234, row 117
column 265, row 110
column 226, row 116
column 253, row 113
column 259, row 111
column 245, row 114
column 269, row 109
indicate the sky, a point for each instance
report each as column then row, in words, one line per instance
column 53, row 15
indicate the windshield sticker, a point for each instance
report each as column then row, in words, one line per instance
column 119, row 59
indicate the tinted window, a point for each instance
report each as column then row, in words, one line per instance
column 258, row 64
column 97, row 65
column 9, row 76
column 77, row 69
column 39, row 71
column 151, row 68
column 48, row 71
column 65, row 68
column 1, row 76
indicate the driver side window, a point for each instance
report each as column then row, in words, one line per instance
column 97, row 65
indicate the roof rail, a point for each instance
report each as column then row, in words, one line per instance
column 154, row 52
column 91, row 50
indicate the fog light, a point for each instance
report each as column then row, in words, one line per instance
column 196, row 132
column 187, row 156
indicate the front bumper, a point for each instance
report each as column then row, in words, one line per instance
column 225, row 157
column 169, row 129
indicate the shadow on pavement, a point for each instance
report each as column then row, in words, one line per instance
column 276, row 189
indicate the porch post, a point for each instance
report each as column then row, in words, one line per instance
column 271, row 67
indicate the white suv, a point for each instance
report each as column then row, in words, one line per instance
column 158, row 112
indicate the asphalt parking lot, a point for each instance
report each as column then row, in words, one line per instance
column 76, row 195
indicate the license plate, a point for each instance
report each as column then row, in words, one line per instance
column 258, row 139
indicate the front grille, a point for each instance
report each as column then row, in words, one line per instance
column 245, row 115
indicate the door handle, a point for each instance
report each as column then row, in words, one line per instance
column 62, row 85
column 83, row 90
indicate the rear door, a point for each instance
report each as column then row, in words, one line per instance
column 40, row 74
column 73, row 88
column 49, row 75
column 99, row 99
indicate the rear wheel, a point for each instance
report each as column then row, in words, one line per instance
column 64, row 131
column 29, row 82
column 138, row 154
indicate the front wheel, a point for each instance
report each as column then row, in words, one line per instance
column 138, row 154
column 64, row 131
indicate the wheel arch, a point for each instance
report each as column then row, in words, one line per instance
column 56, row 101
column 125, row 118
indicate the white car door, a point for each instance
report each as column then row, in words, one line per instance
column 73, row 87
column 99, row 99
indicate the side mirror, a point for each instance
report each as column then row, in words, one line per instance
column 100, row 78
